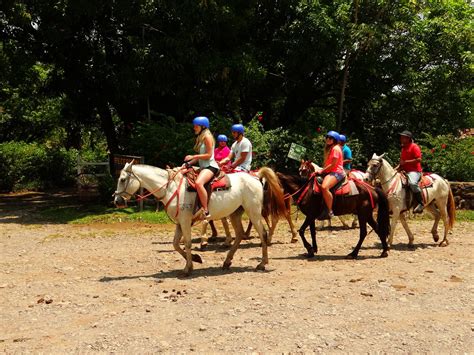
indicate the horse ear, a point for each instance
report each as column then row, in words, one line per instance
column 128, row 167
column 380, row 157
column 374, row 156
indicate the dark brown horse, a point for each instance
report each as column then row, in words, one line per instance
column 361, row 204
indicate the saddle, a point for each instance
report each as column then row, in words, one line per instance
column 426, row 180
column 220, row 182
column 345, row 187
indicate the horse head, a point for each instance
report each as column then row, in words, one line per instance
column 373, row 167
column 127, row 184
column 307, row 167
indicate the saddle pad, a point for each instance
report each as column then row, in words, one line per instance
column 349, row 188
column 221, row 182
column 357, row 175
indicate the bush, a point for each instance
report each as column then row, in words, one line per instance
column 448, row 156
column 33, row 166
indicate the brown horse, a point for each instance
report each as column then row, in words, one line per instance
column 362, row 204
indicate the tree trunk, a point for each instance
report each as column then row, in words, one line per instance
column 108, row 127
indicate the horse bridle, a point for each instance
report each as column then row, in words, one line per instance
column 129, row 195
column 374, row 175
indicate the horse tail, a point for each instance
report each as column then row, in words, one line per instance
column 273, row 197
column 383, row 215
column 451, row 208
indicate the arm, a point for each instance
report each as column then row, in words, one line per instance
column 193, row 159
column 228, row 158
column 239, row 161
column 331, row 165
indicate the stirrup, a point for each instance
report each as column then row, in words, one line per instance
column 418, row 209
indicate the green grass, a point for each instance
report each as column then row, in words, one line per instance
column 461, row 216
column 101, row 214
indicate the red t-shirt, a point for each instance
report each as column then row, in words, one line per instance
column 410, row 152
column 335, row 152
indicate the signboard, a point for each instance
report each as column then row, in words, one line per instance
column 119, row 161
column 296, row 152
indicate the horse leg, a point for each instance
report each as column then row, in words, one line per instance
column 393, row 225
column 271, row 227
column 256, row 219
column 354, row 222
column 344, row 224
column 312, row 229
column 247, row 232
column 404, row 222
column 204, row 239
column 383, row 240
column 362, row 235
column 294, row 235
column 213, row 228
column 303, row 227
column 236, row 220
column 442, row 206
column 176, row 244
column 228, row 235
column 186, row 229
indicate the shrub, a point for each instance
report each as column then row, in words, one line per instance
column 449, row 156
column 33, row 166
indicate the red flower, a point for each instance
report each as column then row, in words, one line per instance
column 260, row 118
column 318, row 129
column 432, row 150
column 443, row 146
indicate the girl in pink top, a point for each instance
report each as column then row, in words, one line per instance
column 333, row 171
column 222, row 151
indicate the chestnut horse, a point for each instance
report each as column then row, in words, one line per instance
column 362, row 204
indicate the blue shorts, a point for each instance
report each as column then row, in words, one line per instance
column 338, row 176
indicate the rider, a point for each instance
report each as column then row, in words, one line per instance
column 333, row 171
column 410, row 162
column 204, row 146
column 222, row 150
column 241, row 150
column 346, row 153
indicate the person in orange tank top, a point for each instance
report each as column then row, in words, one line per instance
column 333, row 171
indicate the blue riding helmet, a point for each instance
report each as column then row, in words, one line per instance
column 238, row 128
column 201, row 121
column 221, row 138
column 342, row 138
column 334, row 135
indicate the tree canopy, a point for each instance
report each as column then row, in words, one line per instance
column 75, row 70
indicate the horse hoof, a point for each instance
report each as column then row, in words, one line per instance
column 310, row 255
column 351, row 256
column 197, row 258
column 444, row 243
column 411, row 246
column 435, row 238
column 384, row 254
column 227, row 265
column 260, row 267
column 203, row 246
column 293, row 240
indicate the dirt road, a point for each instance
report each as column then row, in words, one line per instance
column 115, row 288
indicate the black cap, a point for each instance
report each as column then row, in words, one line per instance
column 407, row 134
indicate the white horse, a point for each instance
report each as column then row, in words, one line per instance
column 168, row 186
column 438, row 198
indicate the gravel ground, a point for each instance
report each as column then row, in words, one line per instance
column 117, row 288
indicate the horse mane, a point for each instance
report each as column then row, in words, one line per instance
column 293, row 182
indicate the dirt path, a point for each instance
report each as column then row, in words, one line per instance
column 115, row 288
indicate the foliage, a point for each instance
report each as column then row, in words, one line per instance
column 34, row 166
column 448, row 156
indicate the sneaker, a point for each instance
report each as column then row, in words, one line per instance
column 418, row 209
column 207, row 215
column 331, row 214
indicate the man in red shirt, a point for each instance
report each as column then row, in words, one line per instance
column 410, row 162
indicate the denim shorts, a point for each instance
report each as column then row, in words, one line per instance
column 338, row 176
